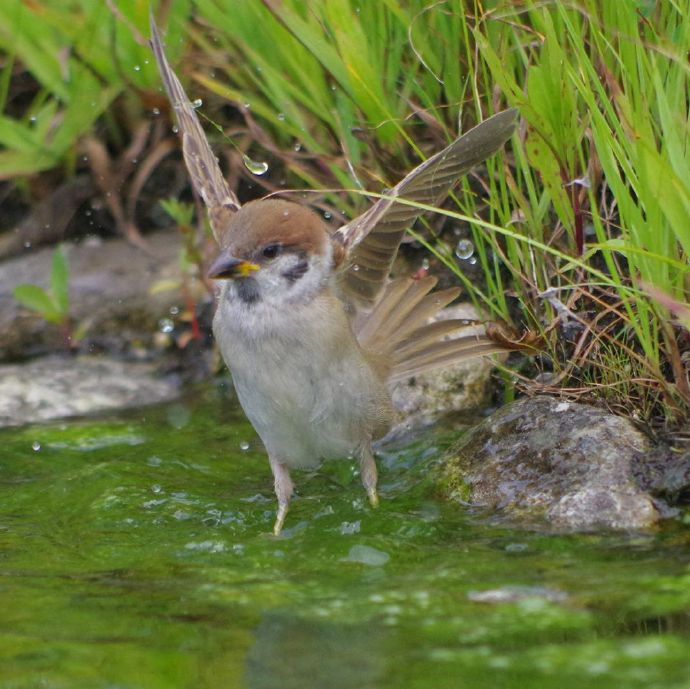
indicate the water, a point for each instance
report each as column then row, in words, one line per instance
column 135, row 553
column 464, row 249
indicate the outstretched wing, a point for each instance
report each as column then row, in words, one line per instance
column 372, row 240
column 202, row 164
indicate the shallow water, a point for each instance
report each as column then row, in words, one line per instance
column 134, row 553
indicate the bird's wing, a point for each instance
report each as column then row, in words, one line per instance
column 403, row 329
column 372, row 240
column 202, row 164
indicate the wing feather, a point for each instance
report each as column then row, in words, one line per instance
column 381, row 228
column 202, row 164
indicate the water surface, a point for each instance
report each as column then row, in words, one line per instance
column 135, row 554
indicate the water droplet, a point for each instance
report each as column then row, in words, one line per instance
column 137, row 68
column 175, row 129
column 297, row 147
column 155, row 488
column 464, row 249
column 425, row 264
column 327, row 215
column 27, row 245
column 247, row 106
column 244, row 446
column 35, row 446
column 254, row 166
column 166, row 325
column 174, row 310
column 473, row 261
column 32, row 119
column 197, row 103
column 281, row 116
column 355, row 267
column 156, row 112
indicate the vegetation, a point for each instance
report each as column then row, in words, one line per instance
column 580, row 230
column 53, row 304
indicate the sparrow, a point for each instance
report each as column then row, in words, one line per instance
column 308, row 321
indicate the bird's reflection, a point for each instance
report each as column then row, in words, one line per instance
column 294, row 653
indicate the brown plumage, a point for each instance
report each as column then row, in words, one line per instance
column 309, row 323
column 270, row 221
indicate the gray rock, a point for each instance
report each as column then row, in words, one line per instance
column 55, row 387
column 570, row 463
column 110, row 287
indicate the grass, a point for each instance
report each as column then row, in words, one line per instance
column 581, row 232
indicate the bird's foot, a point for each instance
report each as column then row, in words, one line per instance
column 280, row 518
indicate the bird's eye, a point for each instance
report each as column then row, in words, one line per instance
column 271, row 251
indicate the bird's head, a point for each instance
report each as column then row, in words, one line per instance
column 275, row 251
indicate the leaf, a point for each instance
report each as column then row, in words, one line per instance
column 37, row 299
column 59, row 280
column 179, row 211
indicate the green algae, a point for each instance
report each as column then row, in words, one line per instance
column 135, row 553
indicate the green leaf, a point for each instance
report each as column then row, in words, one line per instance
column 179, row 211
column 37, row 299
column 59, row 280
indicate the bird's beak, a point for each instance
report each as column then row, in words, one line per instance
column 228, row 268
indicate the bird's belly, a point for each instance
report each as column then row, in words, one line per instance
column 306, row 402
column 304, row 417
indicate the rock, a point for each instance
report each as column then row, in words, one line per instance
column 572, row 464
column 110, row 287
column 54, row 387
column 665, row 473
column 464, row 386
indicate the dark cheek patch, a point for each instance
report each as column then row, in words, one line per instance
column 297, row 271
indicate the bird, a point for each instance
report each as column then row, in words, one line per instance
column 309, row 322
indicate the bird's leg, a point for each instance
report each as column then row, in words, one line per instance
column 367, row 467
column 283, row 487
